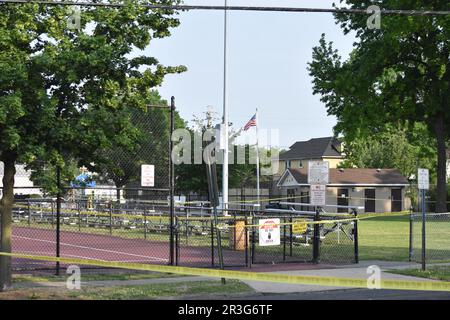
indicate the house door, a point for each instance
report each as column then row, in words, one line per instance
column 396, row 200
column 342, row 199
column 369, row 200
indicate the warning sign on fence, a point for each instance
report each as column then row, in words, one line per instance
column 318, row 194
column 299, row 226
column 269, row 232
column 147, row 175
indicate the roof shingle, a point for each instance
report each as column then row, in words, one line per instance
column 313, row 149
column 356, row 176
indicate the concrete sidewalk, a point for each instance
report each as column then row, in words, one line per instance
column 357, row 271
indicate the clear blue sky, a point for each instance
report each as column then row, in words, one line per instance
column 267, row 57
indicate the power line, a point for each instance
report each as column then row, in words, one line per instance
column 237, row 8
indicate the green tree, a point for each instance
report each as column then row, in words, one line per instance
column 44, row 175
column 150, row 145
column 399, row 73
column 393, row 147
column 62, row 90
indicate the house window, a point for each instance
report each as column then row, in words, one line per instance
column 288, row 164
column 300, row 164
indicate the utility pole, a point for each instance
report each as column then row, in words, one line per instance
column 224, row 129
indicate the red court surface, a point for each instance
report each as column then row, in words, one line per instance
column 81, row 245
column 36, row 241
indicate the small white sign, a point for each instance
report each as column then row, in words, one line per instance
column 269, row 232
column 423, row 179
column 318, row 195
column 222, row 136
column 147, row 175
column 318, row 172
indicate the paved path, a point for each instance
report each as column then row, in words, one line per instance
column 351, row 294
column 358, row 271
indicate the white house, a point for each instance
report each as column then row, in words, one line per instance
column 22, row 182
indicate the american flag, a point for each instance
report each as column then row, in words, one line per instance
column 250, row 123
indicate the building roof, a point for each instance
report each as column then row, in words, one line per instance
column 353, row 176
column 313, row 149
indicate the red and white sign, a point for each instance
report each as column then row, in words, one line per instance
column 147, row 175
column 269, row 232
column 318, row 194
column 423, row 179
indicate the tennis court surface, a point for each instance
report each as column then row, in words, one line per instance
column 83, row 245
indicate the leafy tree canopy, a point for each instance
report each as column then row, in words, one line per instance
column 62, row 90
column 398, row 73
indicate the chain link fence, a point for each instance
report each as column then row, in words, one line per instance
column 103, row 212
column 437, row 237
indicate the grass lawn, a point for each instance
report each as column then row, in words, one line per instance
column 384, row 238
column 387, row 238
column 437, row 273
column 121, row 276
column 140, row 292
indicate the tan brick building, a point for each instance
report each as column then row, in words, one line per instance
column 377, row 190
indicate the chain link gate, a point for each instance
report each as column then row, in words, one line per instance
column 327, row 242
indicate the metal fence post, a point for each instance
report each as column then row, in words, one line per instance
column 145, row 224
column 290, row 237
column 177, row 242
column 171, row 184
column 79, row 215
column 355, row 236
column 58, row 218
column 316, row 240
column 52, row 215
column 29, row 214
column 246, row 241
column 423, row 232
column 411, row 234
column 212, row 243
column 110, row 218
column 284, row 239
column 253, row 239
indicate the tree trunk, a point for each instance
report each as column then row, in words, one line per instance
column 6, row 204
column 441, row 188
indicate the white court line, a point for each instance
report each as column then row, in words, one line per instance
column 52, row 253
column 80, row 257
column 95, row 249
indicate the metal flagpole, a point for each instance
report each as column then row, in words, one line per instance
column 258, row 192
column 225, row 119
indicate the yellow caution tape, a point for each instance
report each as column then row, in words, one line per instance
column 252, row 276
